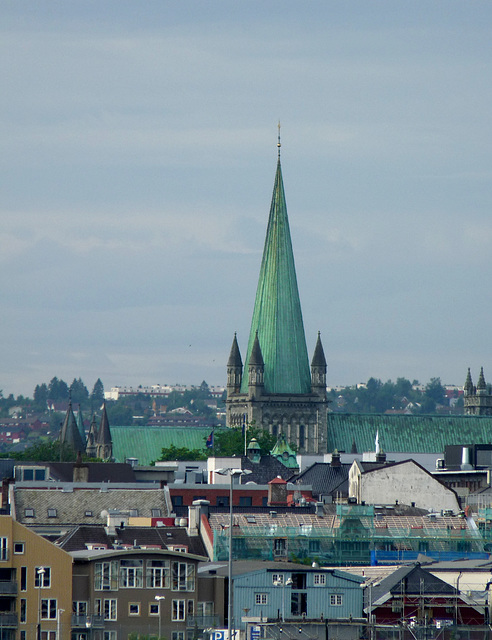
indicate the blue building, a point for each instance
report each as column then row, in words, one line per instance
column 295, row 593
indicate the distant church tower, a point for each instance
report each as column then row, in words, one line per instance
column 277, row 390
column 477, row 400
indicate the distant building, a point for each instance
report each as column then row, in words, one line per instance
column 478, row 400
column 277, row 391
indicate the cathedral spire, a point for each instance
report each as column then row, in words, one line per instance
column 277, row 316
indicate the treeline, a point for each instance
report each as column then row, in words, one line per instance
column 377, row 397
column 57, row 390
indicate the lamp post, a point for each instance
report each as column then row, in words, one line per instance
column 159, row 598
column 40, row 573
column 58, row 623
column 281, row 583
column 232, row 473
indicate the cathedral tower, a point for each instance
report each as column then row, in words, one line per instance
column 277, row 390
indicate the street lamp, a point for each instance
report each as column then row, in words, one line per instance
column 40, row 571
column 58, row 623
column 159, row 598
column 281, row 583
column 232, row 473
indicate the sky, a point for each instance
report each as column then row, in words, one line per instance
column 138, row 157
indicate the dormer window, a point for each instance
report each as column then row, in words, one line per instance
column 52, row 513
column 29, row 513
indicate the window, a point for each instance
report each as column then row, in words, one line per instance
column 88, row 514
column 110, row 635
column 183, row 576
column 156, row 513
column 278, row 578
column 133, row 513
column 298, row 580
column 18, row 548
column 336, row 599
column 178, row 548
column 245, row 501
column 153, row 609
column 178, row 610
column 279, row 545
column 42, row 577
column 222, row 501
column 177, row 501
column 79, row 608
column 22, row 635
column 23, row 579
column 106, row 576
column 110, row 612
column 204, row 609
column 319, row 579
column 29, row 513
column 178, row 635
column 298, row 603
column 23, row 605
column 158, row 574
column 52, row 513
column 4, row 548
column 191, row 608
column 48, row 635
column 261, row 598
column 314, row 546
column 134, row 609
column 98, row 607
column 48, row 609
column 131, row 574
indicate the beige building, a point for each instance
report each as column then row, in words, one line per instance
column 35, row 585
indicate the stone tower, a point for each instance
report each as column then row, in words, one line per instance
column 477, row 400
column 277, row 391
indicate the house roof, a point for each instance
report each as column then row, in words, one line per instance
column 98, row 471
column 405, row 433
column 325, row 478
column 160, row 537
column 68, row 503
column 266, row 470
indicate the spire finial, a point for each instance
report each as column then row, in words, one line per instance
column 278, row 140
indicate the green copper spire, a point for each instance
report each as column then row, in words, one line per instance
column 277, row 313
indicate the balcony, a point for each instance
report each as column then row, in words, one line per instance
column 7, row 619
column 87, row 622
column 8, row 588
column 202, row 622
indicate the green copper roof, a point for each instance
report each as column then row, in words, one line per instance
column 146, row 443
column 419, row 434
column 277, row 313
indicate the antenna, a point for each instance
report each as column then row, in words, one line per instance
column 278, row 139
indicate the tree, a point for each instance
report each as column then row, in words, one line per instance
column 181, row 453
column 79, row 392
column 41, row 395
column 48, row 451
column 230, row 442
column 435, row 391
column 57, row 390
column 97, row 394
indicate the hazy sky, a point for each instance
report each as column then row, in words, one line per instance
column 138, row 157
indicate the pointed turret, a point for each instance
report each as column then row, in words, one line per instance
column 468, row 388
column 481, row 385
column 91, row 447
column 256, row 368
column 277, row 315
column 104, row 442
column 318, row 369
column 234, row 368
column 80, row 426
column 69, row 434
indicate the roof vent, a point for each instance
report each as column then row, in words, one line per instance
column 273, row 514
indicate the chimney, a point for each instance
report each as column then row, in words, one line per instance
column 381, row 457
column 195, row 512
column 335, row 459
column 320, row 512
column 80, row 470
column 277, row 492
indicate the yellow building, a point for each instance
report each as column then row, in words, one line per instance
column 35, row 586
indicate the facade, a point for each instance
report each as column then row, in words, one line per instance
column 297, row 593
column 277, row 391
column 35, row 585
column 400, row 482
column 477, row 400
column 143, row 591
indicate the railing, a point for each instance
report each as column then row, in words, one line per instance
column 202, row 622
column 87, row 622
column 7, row 619
column 8, row 587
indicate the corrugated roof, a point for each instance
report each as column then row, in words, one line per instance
column 146, row 443
column 412, row 434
